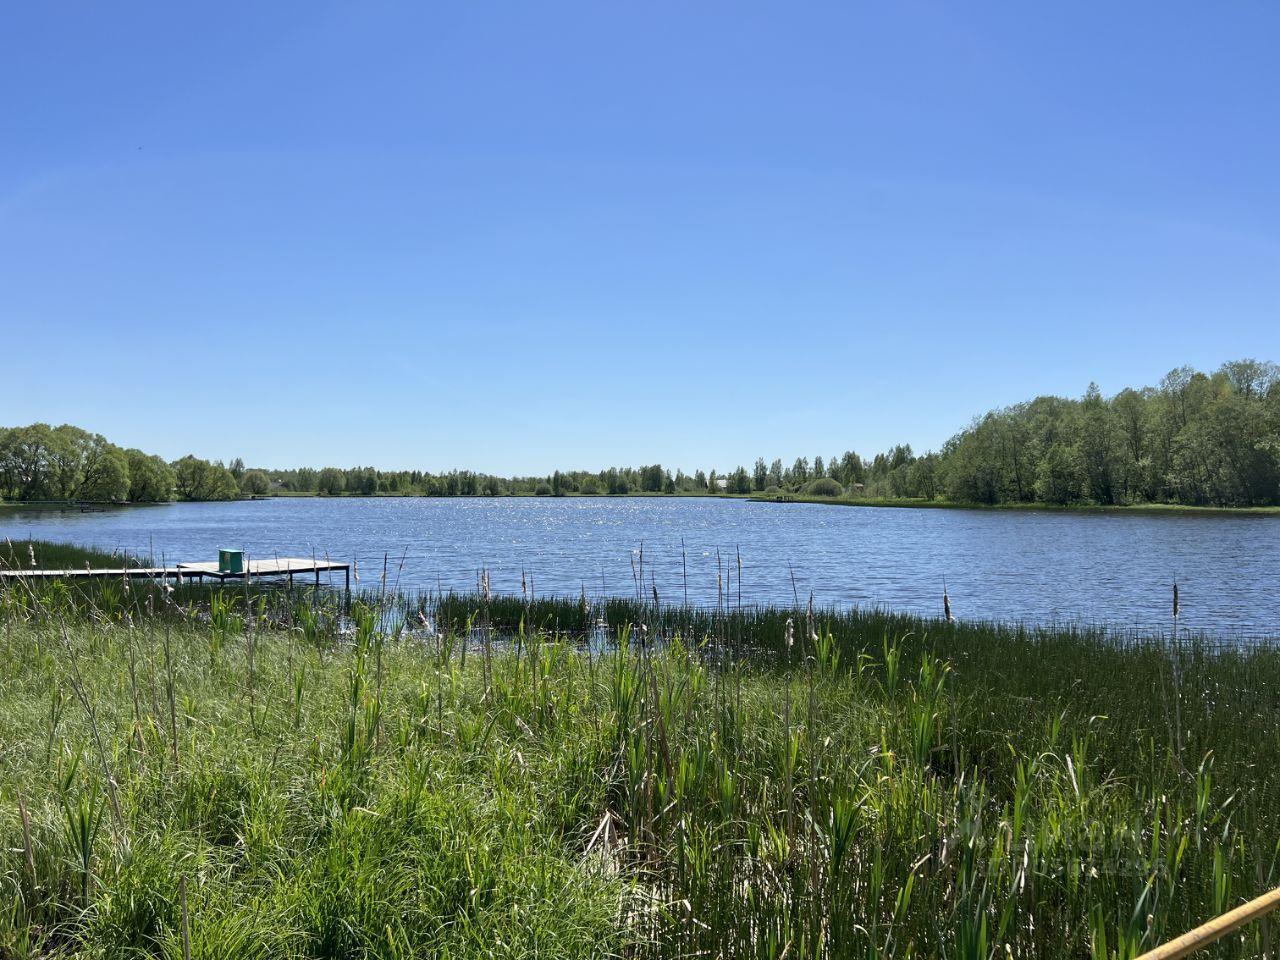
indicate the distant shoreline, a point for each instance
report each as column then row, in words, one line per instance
column 908, row 503
column 784, row 498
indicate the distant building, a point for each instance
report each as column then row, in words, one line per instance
column 722, row 483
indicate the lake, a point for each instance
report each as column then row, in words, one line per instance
column 1033, row 567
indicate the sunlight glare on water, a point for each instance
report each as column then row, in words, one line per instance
column 1025, row 566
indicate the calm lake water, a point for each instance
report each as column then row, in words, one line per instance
column 1034, row 567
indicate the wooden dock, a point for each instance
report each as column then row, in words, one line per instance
column 275, row 567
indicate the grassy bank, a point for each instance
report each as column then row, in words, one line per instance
column 273, row 776
column 921, row 503
column 43, row 555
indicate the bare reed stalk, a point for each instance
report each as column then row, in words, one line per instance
column 684, row 571
column 487, row 597
column 170, row 690
column 738, row 551
column 133, row 688
column 186, row 920
column 77, row 687
column 28, row 851
column 1177, row 677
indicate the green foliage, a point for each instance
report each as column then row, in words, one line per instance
column 151, row 480
column 332, row 781
column 41, row 555
column 331, row 482
column 1196, row 439
column 255, row 483
column 39, row 462
column 759, row 475
column 824, row 487
column 197, row 479
column 104, row 472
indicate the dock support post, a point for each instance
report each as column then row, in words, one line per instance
column 347, row 571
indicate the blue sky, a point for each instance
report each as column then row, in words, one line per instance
column 515, row 237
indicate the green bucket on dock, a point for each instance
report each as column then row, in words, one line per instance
column 231, row 561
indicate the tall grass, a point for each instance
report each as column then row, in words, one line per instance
column 43, row 555
column 314, row 778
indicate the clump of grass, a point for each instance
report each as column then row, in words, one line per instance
column 326, row 781
column 508, row 613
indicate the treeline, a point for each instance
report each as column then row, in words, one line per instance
column 1196, row 439
column 614, row 481
column 40, row 462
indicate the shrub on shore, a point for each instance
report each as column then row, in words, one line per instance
column 824, row 487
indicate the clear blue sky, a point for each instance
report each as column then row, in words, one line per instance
column 520, row 236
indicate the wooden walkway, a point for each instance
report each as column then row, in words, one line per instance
column 275, row 567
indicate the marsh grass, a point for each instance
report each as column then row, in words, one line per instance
column 20, row 554
column 320, row 777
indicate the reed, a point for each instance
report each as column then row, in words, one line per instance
column 41, row 554
column 335, row 777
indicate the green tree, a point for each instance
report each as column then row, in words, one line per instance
column 851, row 469
column 1057, row 476
column 151, row 480
column 652, row 478
column 331, row 482
column 799, row 472
column 775, row 474
column 104, row 472
column 1098, row 447
column 255, row 483
column 66, row 460
column 26, row 461
column 970, row 469
column 197, row 479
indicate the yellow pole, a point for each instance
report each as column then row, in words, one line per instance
column 1215, row 929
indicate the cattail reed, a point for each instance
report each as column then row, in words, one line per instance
column 964, row 792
